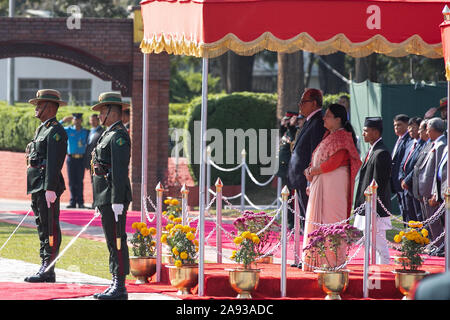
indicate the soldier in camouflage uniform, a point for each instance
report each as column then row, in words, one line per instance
column 112, row 189
column 45, row 159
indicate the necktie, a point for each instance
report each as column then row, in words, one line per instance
column 367, row 156
column 409, row 155
column 396, row 146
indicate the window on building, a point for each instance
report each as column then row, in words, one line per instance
column 74, row 91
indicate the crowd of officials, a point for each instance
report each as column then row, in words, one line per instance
column 414, row 171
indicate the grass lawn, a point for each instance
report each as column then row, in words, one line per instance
column 86, row 256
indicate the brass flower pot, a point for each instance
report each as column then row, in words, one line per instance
column 244, row 281
column 405, row 279
column 142, row 268
column 266, row 259
column 333, row 283
column 183, row 278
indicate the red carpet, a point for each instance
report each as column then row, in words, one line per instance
column 300, row 285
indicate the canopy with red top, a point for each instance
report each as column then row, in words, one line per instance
column 208, row 28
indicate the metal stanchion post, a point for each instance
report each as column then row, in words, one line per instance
column 373, row 221
column 219, row 186
column 184, row 204
column 368, row 215
column 243, row 154
column 208, row 175
column 296, row 228
column 278, row 192
column 447, row 231
column 159, row 195
column 285, row 195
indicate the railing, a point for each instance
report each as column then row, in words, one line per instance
column 369, row 208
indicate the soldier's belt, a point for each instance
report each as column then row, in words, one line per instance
column 101, row 169
column 76, row 156
column 36, row 163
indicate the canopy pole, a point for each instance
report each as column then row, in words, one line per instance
column 447, row 193
column 201, row 274
column 144, row 146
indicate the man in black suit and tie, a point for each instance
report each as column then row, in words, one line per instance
column 417, row 129
column 310, row 106
column 376, row 166
column 398, row 153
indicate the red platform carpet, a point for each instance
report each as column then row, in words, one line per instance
column 300, row 285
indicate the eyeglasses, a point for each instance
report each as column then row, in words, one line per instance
column 305, row 101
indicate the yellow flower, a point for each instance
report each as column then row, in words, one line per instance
column 164, row 238
column 196, row 242
column 169, row 226
column 397, row 238
column 401, row 233
column 415, row 224
column 164, row 212
column 171, row 217
column 255, row 239
column 190, row 236
column 152, row 231
column 135, row 225
column 177, row 220
column 178, row 227
column 153, row 243
column 424, row 232
column 238, row 240
column 186, row 229
column 233, row 254
column 193, row 230
column 174, row 202
column 246, row 235
column 145, row 232
column 167, row 201
column 427, row 241
column 178, row 263
column 183, row 255
column 175, row 251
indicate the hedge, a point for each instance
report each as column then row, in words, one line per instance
column 18, row 123
column 239, row 110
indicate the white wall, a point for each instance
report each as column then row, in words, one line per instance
column 39, row 68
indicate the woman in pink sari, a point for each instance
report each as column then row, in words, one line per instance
column 334, row 165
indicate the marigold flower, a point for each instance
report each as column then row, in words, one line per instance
column 255, row 239
column 169, row 226
column 178, row 263
column 183, row 255
column 164, row 238
column 145, row 232
column 135, row 225
column 152, row 231
column 196, row 242
column 186, row 229
column 175, row 251
column 174, row 202
column 246, row 235
column 171, row 217
column 424, row 232
column 167, row 201
column 397, row 238
column 190, row 236
column 177, row 220
column 238, row 240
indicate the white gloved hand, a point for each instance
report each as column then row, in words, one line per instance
column 117, row 209
column 50, row 197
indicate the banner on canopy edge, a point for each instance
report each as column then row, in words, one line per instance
column 445, row 34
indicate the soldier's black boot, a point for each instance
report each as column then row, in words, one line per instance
column 107, row 289
column 118, row 290
column 41, row 275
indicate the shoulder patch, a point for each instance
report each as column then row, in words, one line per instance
column 57, row 137
column 120, row 142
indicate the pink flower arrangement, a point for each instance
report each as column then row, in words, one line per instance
column 331, row 238
column 255, row 222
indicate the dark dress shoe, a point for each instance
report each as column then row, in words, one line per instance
column 81, row 206
column 41, row 275
column 71, row 206
column 118, row 290
column 95, row 295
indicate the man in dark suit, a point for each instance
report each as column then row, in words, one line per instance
column 311, row 133
column 417, row 129
column 398, row 153
column 376, row 166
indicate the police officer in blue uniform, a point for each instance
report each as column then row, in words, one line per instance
column 76, row 149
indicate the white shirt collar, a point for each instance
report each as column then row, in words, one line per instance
column 312, row 114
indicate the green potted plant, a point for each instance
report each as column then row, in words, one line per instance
column 143, row 261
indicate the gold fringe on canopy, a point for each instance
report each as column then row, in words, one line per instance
column 267, row 41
